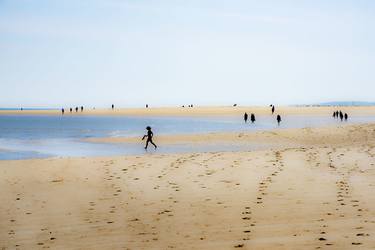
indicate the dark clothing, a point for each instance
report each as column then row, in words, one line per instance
column 252, row 118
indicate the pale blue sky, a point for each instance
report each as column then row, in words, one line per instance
column 97, row 52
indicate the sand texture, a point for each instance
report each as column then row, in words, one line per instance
column 314, row 191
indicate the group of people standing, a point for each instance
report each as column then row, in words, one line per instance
column 252, row 116
column 246, row 117
column 71, row 109
column 80, row 108
column 338, row 114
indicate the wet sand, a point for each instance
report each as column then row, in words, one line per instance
column 203, row 111
column 314, row 191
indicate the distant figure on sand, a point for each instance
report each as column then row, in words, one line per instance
column 341, row 115
column 273, row 109
column 76, row 109
column 70, row 110
column 149, row 137
column 146, row 105
column 252, row 118
column 245, row 116
column 334, row 114
column 113, row 106
column 346, row 116
column 278, row 119
column 81, row 108
column 62, row 111
column 235, row 105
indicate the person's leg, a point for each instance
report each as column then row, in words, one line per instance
column 153, row 143
column 147, row 143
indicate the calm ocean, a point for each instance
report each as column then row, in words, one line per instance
column 38, row 136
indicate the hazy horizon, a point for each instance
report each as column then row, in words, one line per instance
column 170, row 53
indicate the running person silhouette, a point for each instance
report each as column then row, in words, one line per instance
column 149, row 137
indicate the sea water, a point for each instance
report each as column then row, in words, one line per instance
column 40, row 136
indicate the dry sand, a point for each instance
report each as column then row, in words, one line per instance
column 202, row 111
column 315, row 191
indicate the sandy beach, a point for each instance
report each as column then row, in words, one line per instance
column 313, row 191
column 202, row 111
column 180, row 125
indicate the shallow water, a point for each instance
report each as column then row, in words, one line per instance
column 37, row 136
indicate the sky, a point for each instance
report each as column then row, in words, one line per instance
column 94, row 53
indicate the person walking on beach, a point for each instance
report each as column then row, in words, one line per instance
column 81, row 108
column 76, row 109
column 113, row 106
column 245, row 116
column 273, row 109
column 149, row 136
column 341, row 115
column 278, row 119
column 252, row 118
column 70, row 110
column 62, row 111
column 334, row 114
column 346, row 116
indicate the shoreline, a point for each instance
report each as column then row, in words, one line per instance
column 201, row 111
column 278, row 135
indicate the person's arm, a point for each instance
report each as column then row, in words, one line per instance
column 144, row 137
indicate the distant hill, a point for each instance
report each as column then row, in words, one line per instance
column 343, row 103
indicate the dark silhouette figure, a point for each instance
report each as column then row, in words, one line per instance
column 149, row 137
column 113, row 106
column 341, row 115
column 62, row 111
column 252, row 118
column 278, row 118
column 235, row 105
column 334, row 114
column 76, row 109
column 70, row 110
column 183, row 106
column 346, row 116
column 337, row 114
column 81, row 108
column 273, row 109
column 146, row 105
column 191, row 105
column 245, row 116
